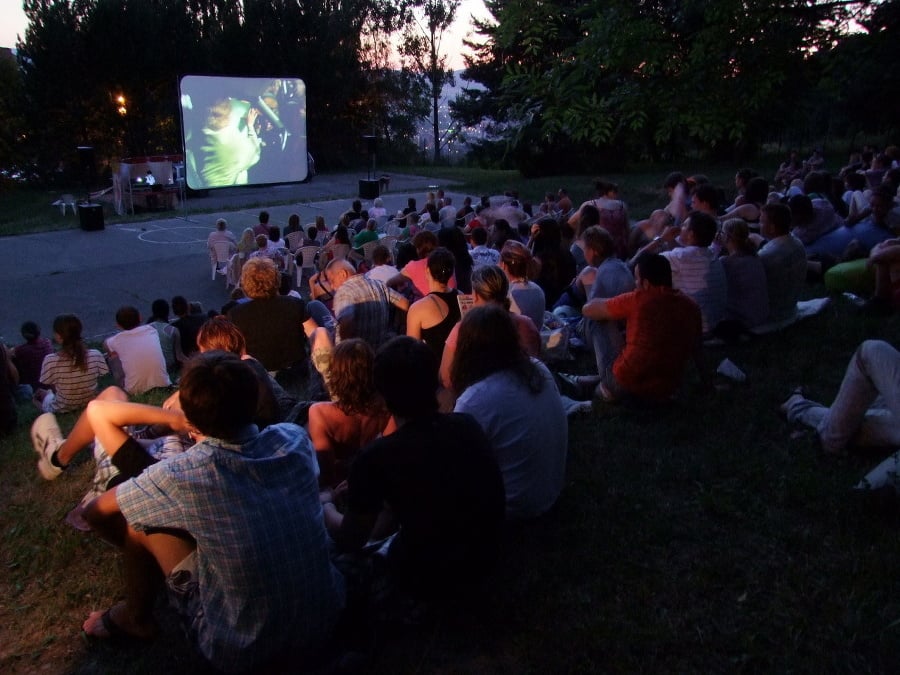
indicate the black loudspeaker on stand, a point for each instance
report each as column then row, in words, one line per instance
column 370, row 187
column 90, row 215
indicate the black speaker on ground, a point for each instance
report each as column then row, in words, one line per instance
column 90, row 216
column 368, row 189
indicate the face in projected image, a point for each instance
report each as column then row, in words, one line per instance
column 240, row 131
column 230, row 143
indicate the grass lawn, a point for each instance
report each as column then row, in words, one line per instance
column 709, row 536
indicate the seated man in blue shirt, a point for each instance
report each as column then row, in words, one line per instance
column 218, row 524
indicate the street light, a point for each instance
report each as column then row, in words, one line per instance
column 121, row 101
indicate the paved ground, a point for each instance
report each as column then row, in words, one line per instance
column 91, row 274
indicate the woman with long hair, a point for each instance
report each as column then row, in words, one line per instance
column 354, row 417
column 70, row 375
column 432, row 318
column 491, row 287
column 501, row 387
column 526, row 297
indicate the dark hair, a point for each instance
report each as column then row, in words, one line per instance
column 341, row 235
column 179, row 305
column 312, row 232
column 440, row 264
column 757, row 190
column 704, row 227
column 746, row 174
column 351, row 378
column 220, row 334
column 293, row 222
column 30, row 331
column 381, row 255
column 479, row 236
column 489, row 343
column 855, row 181
column 219, row 394
column 68, row 327
column 589, row 216
column 779, row 216
column 706, row 192
column 548, row 237
column 655, row 269
column 159, row 310
column 263, row 217
column 406, row 376
column 128, row 317
column 274, row 233
column 816, row 182
column 424, row 242
column 598, row 239
column 673, row 179
column 604, row 187
column 453, row 239
column 802, row 211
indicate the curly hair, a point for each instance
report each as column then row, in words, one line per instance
column 351, row 379
column 259, row 278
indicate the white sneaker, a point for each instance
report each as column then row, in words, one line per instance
column 46, row 437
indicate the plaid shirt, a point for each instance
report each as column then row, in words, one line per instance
column 264, row 578
column 362, row 308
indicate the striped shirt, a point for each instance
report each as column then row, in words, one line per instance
column 698, row 274
column 73, row 386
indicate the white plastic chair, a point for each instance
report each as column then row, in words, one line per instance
column 368, row 248
column 219, row 255
column 294, row 239
column 63, row 202
column 306, row 261
column 233, row 271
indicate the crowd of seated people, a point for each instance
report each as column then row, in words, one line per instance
column 422, row 441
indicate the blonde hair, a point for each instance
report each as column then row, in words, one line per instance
column 259, row 278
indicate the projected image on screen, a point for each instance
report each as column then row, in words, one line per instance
column 243, row 130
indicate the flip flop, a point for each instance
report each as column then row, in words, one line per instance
column 114, row 632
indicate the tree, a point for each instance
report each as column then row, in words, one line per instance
column 422, row 45
column 652, row 77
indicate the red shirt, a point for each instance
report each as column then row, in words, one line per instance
column 662, row 331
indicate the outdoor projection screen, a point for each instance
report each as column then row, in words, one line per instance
column 243, row 130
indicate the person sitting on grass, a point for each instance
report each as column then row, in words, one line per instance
column 353, row 418
column 611, row 278
column 218, row 524
column 382, row 269
column 28, row 358
column 69, row 377
column 433, row 486
column 501, row 387
column 885, row 258
column 135, row 354
column 866, row 411
column 431, row 318
column 490, row 286
column 662, row 333
column 159, row 439
column 784, row 260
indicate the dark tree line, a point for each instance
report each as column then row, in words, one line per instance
column 569, row 84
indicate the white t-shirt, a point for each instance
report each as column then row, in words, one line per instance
column 142, row 360
column 382, row 273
